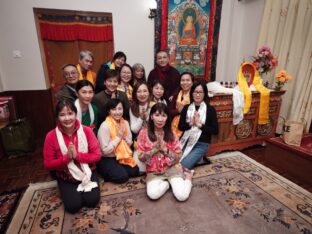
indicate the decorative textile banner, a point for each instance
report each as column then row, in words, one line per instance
column 76, row 27
column 189, row 32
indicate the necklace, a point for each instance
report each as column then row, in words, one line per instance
column 159, row 133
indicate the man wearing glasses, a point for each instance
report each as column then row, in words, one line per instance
column 70, row 74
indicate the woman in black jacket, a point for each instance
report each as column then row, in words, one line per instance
column 198, row 121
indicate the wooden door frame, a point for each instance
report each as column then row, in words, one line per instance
column 38, row 11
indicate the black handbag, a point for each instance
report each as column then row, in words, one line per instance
column 18, row 138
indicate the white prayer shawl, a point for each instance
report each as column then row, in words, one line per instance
column 191, row 136
column 83, row 175
column 238, row 99
column 160, row 101
column 79, row 113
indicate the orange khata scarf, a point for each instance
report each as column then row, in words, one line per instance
column 112, row 66
column 264, row 93
column 175, row 122
column 122, row 151
column 90, row 75
column 127, row 90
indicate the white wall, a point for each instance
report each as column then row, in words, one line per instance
column 239, row 31
column 133, row 34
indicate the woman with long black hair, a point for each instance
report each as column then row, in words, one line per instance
column 160, row 150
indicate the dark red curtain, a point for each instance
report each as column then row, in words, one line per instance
column 73, row 32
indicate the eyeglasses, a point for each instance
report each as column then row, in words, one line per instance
column 198, row 92
column 69, row 74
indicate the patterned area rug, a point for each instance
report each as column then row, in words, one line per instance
column 234, row 194
column 8, row 202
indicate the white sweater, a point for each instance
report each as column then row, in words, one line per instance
column 136, row 123
column 107, row 145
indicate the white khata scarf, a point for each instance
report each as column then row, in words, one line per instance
column 191, row 136
column 79, row 113
column 83, row 175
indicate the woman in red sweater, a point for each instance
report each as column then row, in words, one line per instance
column 71, row 150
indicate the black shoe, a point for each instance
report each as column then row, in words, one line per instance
column 204, row 161
column 207, row 160
column 142, row 173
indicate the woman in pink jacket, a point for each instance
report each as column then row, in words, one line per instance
column 160, row 150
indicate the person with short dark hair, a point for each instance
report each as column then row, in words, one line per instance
column 118, row 60
column 71, row 150
column 84, row 66
column 180, row 99
column 167, row 74
column 125, row 78
column 68, row 91
column 87, row 112
column 117, row 163
column 110, row 92
column 157, row 92
column 198, row 121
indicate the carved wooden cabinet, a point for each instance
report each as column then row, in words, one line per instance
column 247, row 132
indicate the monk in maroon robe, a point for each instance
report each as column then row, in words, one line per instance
column 166, row 74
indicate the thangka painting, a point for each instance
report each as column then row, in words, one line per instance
column 189, row 31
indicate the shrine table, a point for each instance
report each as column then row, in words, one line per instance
column 247, row 132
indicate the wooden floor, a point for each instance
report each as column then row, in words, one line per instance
column 19, row 172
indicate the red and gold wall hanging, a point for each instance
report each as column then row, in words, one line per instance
column 189, row 30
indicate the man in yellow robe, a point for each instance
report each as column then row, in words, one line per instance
column 85, row 65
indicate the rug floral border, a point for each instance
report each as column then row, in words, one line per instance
column 9, row 208
column 225, row 162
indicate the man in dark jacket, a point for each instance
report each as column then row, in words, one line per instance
column 70, row 74
column 166, row 74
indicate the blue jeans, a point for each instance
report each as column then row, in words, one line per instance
column 196, row 154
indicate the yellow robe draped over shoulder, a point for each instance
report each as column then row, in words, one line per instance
column 264, row 93
column 184, row 100
column 91, row 76
column 122, row 151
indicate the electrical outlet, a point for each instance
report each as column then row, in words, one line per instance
column 17, row 54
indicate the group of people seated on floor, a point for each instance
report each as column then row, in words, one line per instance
column 125, row 126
